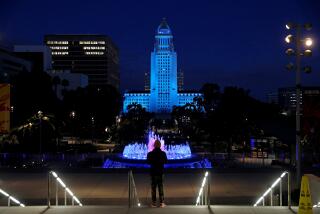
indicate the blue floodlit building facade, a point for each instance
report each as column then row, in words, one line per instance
column 163, row 94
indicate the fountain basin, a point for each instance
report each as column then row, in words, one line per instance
column 134, row 155
column 139, row 151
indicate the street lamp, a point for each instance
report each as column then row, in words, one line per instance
column 73, row 115
column 40, row 115
column 298, row 52
column 288, row 38
column 92, row 126
column 308, row 42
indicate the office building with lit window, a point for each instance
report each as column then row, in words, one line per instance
column 93, row 55
column 164, row 94
column 287, row 97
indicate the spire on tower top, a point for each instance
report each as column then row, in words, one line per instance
column 164, row 27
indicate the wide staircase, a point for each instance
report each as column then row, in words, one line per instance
column 62, row 198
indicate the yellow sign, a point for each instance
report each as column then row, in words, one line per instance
column 4, row 108
column 305, row 204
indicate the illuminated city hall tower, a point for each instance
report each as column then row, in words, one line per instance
column 163, row 73
column 164, row 94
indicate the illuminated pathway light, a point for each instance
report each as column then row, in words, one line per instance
column 204, row 181
column 73, row 197
column 275, row 183
column 11, row 198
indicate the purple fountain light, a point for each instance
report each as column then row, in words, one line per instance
column 139, row 151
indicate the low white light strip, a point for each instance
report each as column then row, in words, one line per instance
column 317, row 205
column 204, row 180
column 270, row 188
column 61, row 182
column 14, row 200
column 11, row 198
column 4, row 193
column 69, row 191
column 55, row 175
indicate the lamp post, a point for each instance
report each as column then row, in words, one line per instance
column 40, row 114
column 298, row 52
column 92, row 126
column 73, row 115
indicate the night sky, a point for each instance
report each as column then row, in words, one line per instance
column 232, row 43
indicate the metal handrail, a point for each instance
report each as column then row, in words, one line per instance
column 204, row 192
column 66, row 190
column 11, row 198
column 132, row 191
column 270, row 190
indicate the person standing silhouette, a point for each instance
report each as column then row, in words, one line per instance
column 157, row 158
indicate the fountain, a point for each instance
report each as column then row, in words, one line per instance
column 134, row 155
column 139, row 151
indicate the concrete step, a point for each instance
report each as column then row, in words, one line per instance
column 147, row 210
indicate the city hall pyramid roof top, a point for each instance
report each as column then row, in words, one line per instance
column 164, row 27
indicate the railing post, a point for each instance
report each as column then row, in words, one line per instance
column 206, row 193
column 202, row 198
column 263, row 203
column 48, row 195
column 209, row 187
column 280, row 192
column 9, row 201
column 271, row 197
column 289, row 190
column 129, row 189
column 132, row 191
column 65, row 197
column 57, row 189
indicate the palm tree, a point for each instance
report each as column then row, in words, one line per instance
column 32, row 128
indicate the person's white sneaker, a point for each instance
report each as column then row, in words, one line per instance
column 162, row 205
column 153, row 205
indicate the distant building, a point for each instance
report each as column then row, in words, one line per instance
column 273, row 98
column 163, row 95
column 180, row 77
column 147, row 81
column 93, row 55
column 287, row 97
column 11, row 65
column 38, row 55
column 180, row 81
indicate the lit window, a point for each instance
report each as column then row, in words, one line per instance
column 92, row 42
column 59, row 48
column 57, row 42
column 60, row 53
column 93, row 48
column 94, row 53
